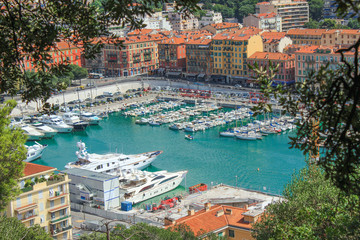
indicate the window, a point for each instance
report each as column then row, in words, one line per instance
column 32, row 222
column 40, row 194
column 29, row 198
column 52, row 215
column 52, row 203
column 41, row 206
column 63, row 200
column 18, row 202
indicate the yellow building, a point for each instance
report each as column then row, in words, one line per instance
column 344, row 37
column 44, row 200
column 225, row 221
column 230, row 50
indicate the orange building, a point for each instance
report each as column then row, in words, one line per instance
column 224, row 221
column 198, row 59
column 343, row 37
column 172, row 55
column 306, row 36
column 63, row 52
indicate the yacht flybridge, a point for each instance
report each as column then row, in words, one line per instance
column 112, row 163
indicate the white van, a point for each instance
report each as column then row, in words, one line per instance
column 108, row 94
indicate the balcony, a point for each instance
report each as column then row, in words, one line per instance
column 57, row 195
column 58, row 208
column 54, row 179
column 26, row 208
column 59, row 219
column 58, row 231
column 28, row 216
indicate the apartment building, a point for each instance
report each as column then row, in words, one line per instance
column 293, row 13
column 180, row 21
column 221, row 27
column 306, row 36
column 230, row 50
column 62, row 53
column 198, row 60
column 286, row 71
column 344, row 37
column 224, row 221
column 172, row 55
column 44, row 200
column 330, row 7
column 211, row 17
column 266, row 21
column 312, row 58
column 157, row 21
column 275, row 41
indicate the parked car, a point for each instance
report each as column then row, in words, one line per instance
column 110, row 100
column 99, row 97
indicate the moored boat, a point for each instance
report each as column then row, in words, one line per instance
column 34, row 152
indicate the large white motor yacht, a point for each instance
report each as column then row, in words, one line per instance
column 137, row 186
column 34, row 152
column 56, row 122
column 73, row 119
column 111, row 163
column 48, row 132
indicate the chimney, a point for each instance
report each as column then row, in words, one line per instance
column 168, row 221
column 191, row 212
column 207, row 206
column 228, row 211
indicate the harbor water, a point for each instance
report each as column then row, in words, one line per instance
column 265, row 165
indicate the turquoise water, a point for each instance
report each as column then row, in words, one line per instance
column 209, row 158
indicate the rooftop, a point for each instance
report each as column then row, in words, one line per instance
column 237, row 34
column 263, row 3
column 265, row 15
column 88, row 174
column 32, row 168
column 271, row 56
column 224, row 25
column 305, row 31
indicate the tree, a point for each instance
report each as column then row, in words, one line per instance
column 78, row 72
column 12, row 154
column 328, row 24
column 30, row 29
column 353, row 24
column 314, row 209
column 11, row 228
column 312, row 24
column 316, row 9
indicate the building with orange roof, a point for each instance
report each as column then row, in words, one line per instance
column 294, row 14
column 220, row 27
column 230, row 50
column 306, row 36
column 63, row 53
column 286, row 70
column 138, row 55
column 172, row 55
column 344, row 37
column 311, row 58
column 179, row 21
column 210, row 17
column 224, row 221
column 142, row 31
column 266, row 21
column 198, row 59
column 275, row 41
column 44, row 200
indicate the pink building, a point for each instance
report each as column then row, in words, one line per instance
column 286, row 71
column 172, row 54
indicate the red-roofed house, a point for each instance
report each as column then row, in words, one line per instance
column 275, row 41
column 172, row 55
column 286, row 70
column 220, row 27
column 311, row 58
column 224, row 221
column 44, row 200
column 306, row 36
column 198, row 60
column 345, row 37
column 266, row 21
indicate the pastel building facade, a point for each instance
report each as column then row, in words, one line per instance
column 265, row 21
column 344, row 37
column 211, row 17
column 172, row 54
column 275, row 41
column 180, row 21
column 44, row 200
column 306, row 36
column 198, row 59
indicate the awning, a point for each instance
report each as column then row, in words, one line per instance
column 173, row 73
column 201, row 75
column 191, row 74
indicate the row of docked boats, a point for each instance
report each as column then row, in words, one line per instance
column 135, row 185
column 143, row 109
column 258, row 129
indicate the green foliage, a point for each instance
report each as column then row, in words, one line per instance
column 313, row 209
column 312, row 24
column 12, row 154
column 331, row 24
column 225, row 11
column 11, row 228
column 316, row 9
column 353, row 24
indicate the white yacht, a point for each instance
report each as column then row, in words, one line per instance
column 72, row 119
column 48, row 132
column 137, row 186
column 32, row 133
column 111, row 163
column 34, row 152
column 90, row 117
column 56, row 123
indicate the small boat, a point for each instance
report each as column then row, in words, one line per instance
column 90, row 117
column 197, row 188
column 246, row 136
column 227, row 134
column 32, row 133
column 34, row 152
column 154, row 123
column 73, row 120
column 189, row 137
column 142, row 121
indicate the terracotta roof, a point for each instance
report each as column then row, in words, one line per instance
column 32, row 168
column 237, row 34
column 271, row 56
column 142, row 38
column 316, row 48
column 199, row 41
column 209, row 221
column 305, row 31
column 140, row 32
column 343, row 31
column 263, row 3
column 224, row 25
column 265, row 15
column 173, row 40
column 271, row 37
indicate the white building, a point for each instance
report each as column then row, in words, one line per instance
column 180, row 21
column 93, row 188
column 265, row 21
column 157, row 21
column 210, row 18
